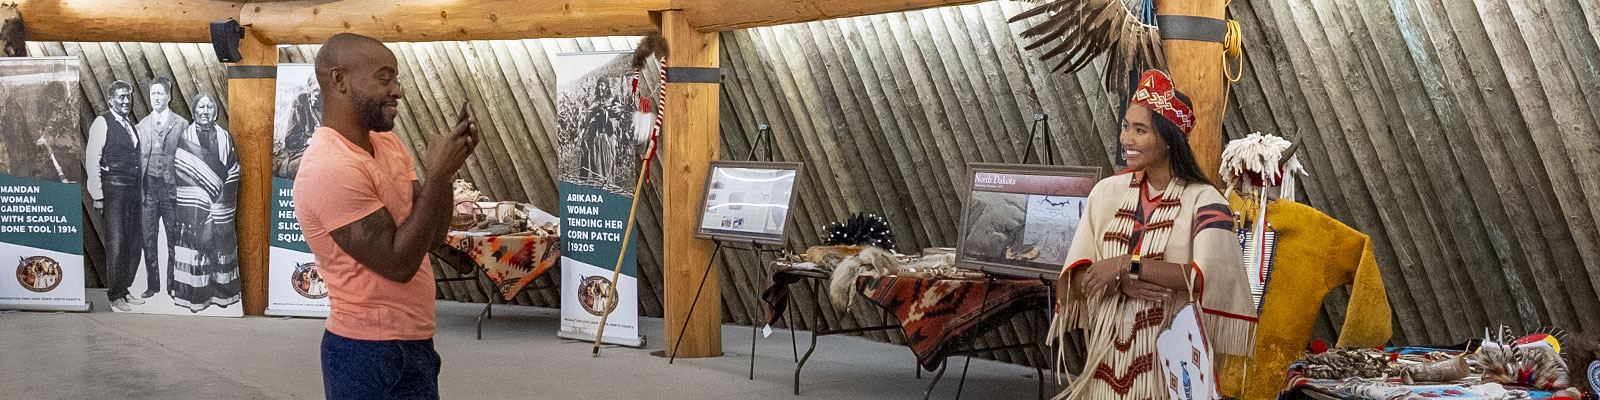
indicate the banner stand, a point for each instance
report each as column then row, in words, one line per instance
column 295, row 286
column 42, row 184
column 85, row 307
column 637, row 342
column 604, row 128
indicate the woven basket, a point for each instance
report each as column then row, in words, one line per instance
column 460, row 221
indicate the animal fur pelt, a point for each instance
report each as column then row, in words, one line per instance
column 652, row 45
column 1088, row 28
column 876, row 262
column 13, row 34
column 1342, row 363
column 846, row 263
column 829, row 256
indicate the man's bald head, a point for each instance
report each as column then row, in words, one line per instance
column 358, row 77
column 350, row 52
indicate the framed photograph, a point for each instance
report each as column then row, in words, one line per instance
column 747, row 201
column 1019, row 219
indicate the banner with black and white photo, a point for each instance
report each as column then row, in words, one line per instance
column 601, row 134
column 295, row 286
column 164, row 175
column 41, row 190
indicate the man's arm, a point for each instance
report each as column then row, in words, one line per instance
column 91, row 158
column 395, row 251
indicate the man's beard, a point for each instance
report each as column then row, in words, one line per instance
column 371, row 109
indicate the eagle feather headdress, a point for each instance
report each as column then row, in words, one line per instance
column 1085, row 29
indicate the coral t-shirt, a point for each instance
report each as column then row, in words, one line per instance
column 338, row 184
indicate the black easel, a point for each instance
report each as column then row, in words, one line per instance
column 763, row 136
column 1049, row 143
column 1039, row 121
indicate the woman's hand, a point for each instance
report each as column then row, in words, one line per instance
column 1103, row 274
column 1145, row 290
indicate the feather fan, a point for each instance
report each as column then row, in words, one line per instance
column 1085, row 29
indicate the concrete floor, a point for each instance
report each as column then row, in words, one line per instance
column 104, row 355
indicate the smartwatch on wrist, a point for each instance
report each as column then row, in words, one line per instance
column 1133, row 267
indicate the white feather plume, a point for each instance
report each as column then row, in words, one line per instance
column 1258, row 153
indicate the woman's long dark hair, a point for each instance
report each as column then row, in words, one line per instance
column 1179, row 156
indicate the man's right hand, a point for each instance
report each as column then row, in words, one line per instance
column 449, row 151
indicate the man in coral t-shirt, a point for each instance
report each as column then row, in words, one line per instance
column 370, row 223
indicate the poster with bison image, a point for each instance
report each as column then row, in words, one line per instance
column 41, row 184
column 1019, row 219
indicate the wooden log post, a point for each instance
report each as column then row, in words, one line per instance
column 689, row 141
column 1193, row 46
column 1195, row 63
column 252, row 84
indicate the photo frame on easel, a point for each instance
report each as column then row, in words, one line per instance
column 1020, row 219
column 747, row 201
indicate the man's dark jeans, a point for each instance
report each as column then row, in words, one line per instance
column 389, row 369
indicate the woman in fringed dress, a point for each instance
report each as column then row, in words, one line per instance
column 206, row 264
column 1150, row 238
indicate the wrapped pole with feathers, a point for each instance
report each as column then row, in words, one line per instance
column 652, row 45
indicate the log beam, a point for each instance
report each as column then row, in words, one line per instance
column 250, row 108
column 185, row 21
column 1196, row 69
column 690, row 140
column 313, row 21
column 727, row 15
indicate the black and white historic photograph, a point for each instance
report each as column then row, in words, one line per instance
column 166, row 184
column 603, row 123
column 40, row 121
column 298, row 113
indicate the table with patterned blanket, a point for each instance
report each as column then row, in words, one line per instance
column 511, row 262
column 942, row 316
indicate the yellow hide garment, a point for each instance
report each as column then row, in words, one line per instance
column 1315, row 253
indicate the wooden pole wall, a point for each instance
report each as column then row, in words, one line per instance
column 250, row 102
column 689, row 141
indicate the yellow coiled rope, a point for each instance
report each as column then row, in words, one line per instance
column 1232, row 50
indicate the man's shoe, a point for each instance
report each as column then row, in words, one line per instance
column 148, row 293
column 131, row 300
column 121, row 305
